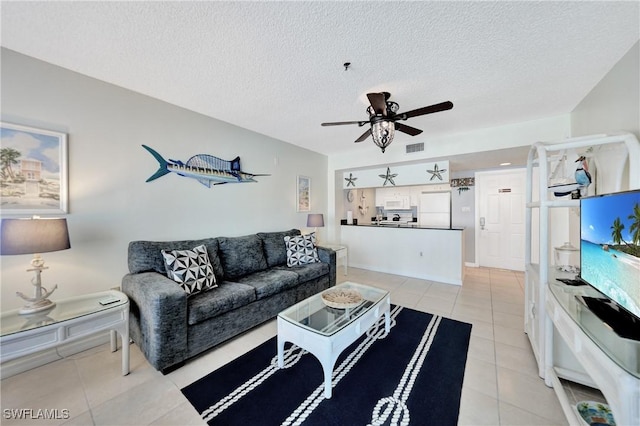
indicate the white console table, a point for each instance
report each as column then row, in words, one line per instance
column 612, row 362
column 70, row 319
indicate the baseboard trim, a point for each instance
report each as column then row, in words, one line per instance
column 471, row 264
column 28, row 362
column 430, row 277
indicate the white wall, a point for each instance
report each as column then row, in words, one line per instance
column 614, row 103
column 463, row 208
column 110, row 203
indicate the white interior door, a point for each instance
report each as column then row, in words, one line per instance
column 500, row 219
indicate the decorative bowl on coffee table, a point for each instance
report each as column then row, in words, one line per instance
column 341, row 298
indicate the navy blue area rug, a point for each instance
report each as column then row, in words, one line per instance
column 412, row 376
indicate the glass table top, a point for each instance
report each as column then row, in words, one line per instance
column 13, row 322
column 314, row 315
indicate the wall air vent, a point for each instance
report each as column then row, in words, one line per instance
column 415, row 147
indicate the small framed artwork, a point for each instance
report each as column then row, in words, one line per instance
column 33, row 171
column 303, row 194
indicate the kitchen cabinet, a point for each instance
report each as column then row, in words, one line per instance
column 381, row 194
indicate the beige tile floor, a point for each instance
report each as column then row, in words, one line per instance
column 501, row 386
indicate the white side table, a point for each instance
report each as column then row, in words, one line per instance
column 71, row 319
column 341, row 253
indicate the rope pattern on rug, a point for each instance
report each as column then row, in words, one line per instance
column 396, row 404
column 291, row 357
column 376, row 332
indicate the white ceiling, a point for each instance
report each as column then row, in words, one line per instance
column 277, row 67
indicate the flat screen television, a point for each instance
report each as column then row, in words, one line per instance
column 610, row 258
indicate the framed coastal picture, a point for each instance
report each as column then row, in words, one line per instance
column 303, row 194
column 33, row 171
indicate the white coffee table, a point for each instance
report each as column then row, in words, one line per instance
column 326, row 332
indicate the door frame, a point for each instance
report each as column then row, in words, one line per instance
column 511, row 170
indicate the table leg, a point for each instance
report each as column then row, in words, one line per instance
column 125, row 352
column 124, row 335
column 387, row 318
column 114, row 341
column 280, row 352
column 346, row 262
column 328, row 373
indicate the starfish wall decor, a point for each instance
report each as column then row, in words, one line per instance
column 351, row 180
column 436, row 172
column 388, row 177
column 402, row 175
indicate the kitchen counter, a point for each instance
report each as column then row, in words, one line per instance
column 435, row 254
column 409, row 225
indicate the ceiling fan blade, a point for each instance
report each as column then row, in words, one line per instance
column 378, row 102
column 425, row 110
column 364, row 136
column 407, row 129
column 340, row 123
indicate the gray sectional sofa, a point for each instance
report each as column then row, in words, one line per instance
column 254, row 284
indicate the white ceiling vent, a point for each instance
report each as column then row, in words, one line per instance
column 415, row 147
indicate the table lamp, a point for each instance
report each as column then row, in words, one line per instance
column 34, row 236
column 315, row 220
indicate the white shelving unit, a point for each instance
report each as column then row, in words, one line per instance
column 616, row 159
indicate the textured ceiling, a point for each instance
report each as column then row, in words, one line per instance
column 276, row 67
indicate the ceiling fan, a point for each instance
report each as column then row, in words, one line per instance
column 384, row 117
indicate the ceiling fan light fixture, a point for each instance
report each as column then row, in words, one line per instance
column 382, row 132
column 384, row 117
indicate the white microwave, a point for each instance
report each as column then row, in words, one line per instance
column 397, row 203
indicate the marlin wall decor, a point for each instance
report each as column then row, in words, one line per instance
column 204, row 168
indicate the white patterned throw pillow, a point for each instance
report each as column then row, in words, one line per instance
column 190, row 268
column 301, row 249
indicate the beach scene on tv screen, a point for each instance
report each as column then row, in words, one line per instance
column 610, row 247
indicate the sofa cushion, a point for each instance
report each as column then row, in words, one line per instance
column 301, row 249
column 270, row 282
column 241, row 256
column 191, row 269
column 146, row 256
column 227, row 297
column 274, row 249
column 309, row 271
